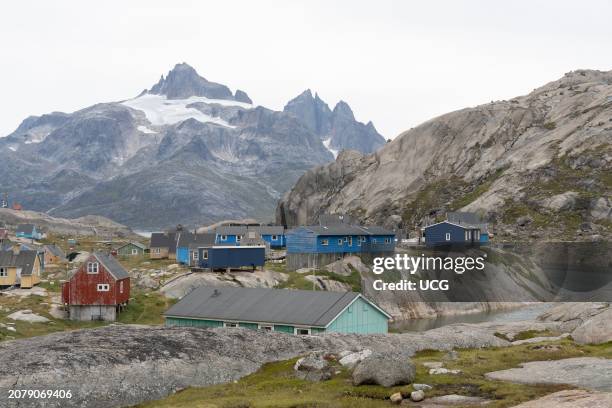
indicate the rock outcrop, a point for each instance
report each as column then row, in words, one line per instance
column 506, row 159
column 123, row 365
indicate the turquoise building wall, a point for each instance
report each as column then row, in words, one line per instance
column 361, row 318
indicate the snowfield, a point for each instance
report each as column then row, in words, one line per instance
column 162, row 111
column 326, row 143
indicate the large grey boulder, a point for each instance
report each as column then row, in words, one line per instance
column 596, row 330
column 571, row 399
column 601, row 209
column 314, row 367
column 386, row 369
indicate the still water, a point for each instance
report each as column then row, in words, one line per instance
column 502, row 316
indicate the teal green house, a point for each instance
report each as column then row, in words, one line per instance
column 300, row 312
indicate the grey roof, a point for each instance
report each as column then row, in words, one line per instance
column 164, row 240
column 24, row 259
column 263, row 305
column 112, row 265
column 346, row 229
column 335, row 219
column 25, row 228
column 268, row 229
column 135, row 243
column 231, row 230
column 187, row 239
column 55, row 250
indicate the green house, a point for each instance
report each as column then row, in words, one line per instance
column 131, row 249
column 289, row 311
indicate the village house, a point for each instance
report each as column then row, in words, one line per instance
column 132, row 248
column 313, row 246
column 21, row 267
column 186, row 239
column 299, row 312
column 28, row 231
column 459, row 229
column 163, row 245
column 98, row 290
column 273, row 235
column 53, row 254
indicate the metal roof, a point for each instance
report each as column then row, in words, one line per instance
column 55, row 250
column 268, row 229
column 189, row 238
column 135, row 243
column 24, row 259
column 264, row 305
column 112, row 265
column 346, row 229
column 471, row 219
column 164, row 240
column 232, row 230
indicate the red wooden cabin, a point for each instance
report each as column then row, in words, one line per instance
column 98, row 290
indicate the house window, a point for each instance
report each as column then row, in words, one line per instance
column 373, row 240
column 238, row 238
column 447, row 236
column 3, row 272
column 230, row 324
column 477, row 234
column 340, row 242
column 266, row 327
column 274, row 237
column 387, row 240
column 121, row 287
column 205, row 254
column 325, row 242
column 302, row 331
column 195, row 255
column 362, row 239
column 92, row 267
column 134, row 251
column 345, row 239
column 350, row 241
column 223, row 237
column 103, row 287
column 156, row 250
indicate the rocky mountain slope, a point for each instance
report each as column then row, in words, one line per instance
column 188, row 148
column 538, row 166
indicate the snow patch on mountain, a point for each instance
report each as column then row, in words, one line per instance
column 145, row 130
column 327, row 143
column 162, row 111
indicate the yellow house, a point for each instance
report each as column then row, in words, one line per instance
column 20, row 267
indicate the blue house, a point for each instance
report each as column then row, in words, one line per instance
column 28, row 231
column 299, row 312
column 446, row 233
column 186, row 239
column 234, row 235
column 340, row 239
column 226, row 257
column 314, row 246
column 470, row 219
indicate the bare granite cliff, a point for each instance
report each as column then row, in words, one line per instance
column 535, row 163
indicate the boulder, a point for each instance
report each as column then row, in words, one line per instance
column 349, row 360
column 438, row 371
column 524, row 220
column 560, row 202
column 27, row 316
column 601, row 209
column 147, row 282
column 423, row 387
column 314, row 367
column 456, row 400
column 596, row 330
column 396, row 398
column 386, row 369
column 417, row 396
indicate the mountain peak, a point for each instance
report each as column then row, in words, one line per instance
column 183, row 81
column 343, row 109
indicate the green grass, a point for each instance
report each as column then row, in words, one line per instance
column 274, row 385
column 528, row 334
column 143, row 309
column 298, row 280
column 146, row 308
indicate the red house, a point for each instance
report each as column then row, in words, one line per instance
column 98, row 290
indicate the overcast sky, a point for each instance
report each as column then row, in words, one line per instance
column 397, row 63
